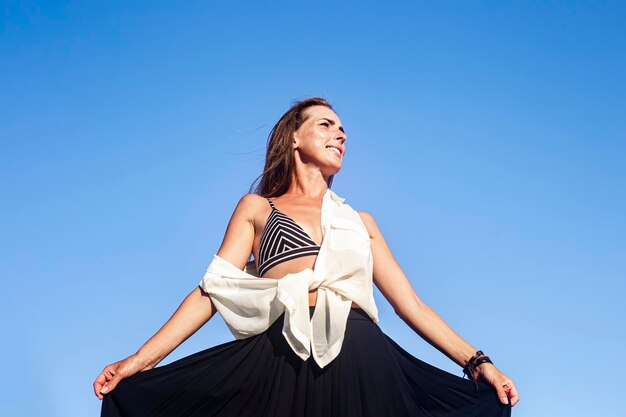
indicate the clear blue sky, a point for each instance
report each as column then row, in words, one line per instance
column 486, row 138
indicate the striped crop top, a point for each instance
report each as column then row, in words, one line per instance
column 282, row 240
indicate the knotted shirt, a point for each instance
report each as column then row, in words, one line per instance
column 342, row 274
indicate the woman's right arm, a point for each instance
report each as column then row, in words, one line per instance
column 195, row 310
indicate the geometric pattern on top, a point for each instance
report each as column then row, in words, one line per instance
column 282, row 240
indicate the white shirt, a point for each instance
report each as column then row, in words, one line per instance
column 342, row 274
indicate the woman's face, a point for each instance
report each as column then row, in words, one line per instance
column 320, row 140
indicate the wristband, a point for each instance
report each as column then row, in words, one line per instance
column 478, row 359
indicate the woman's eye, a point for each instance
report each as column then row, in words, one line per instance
column 325, row 124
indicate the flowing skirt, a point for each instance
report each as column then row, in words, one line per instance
column 261, row 376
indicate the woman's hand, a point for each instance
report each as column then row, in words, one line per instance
column 112, row 374
column 194, row 311
column 503, row 385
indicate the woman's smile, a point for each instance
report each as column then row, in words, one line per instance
column 335, row 151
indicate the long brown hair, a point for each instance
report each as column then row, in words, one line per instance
column 279, row 162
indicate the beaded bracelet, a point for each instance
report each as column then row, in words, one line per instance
column 470, row 366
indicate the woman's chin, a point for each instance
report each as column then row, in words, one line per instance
column 335, row 171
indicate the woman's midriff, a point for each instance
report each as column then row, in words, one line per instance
column 313, row 299
column 297, row 264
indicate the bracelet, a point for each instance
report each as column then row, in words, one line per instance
column 470, row 366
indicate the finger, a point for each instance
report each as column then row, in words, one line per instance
column 101, row 380
column 102, row 377
column 511, row 392
column 109, row 372
column 110, row 386
column 513, row 395
column 96, row 389
column 504, row 398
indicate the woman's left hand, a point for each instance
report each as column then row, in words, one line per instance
column 503, row 385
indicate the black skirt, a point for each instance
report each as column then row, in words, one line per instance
column 261, row 376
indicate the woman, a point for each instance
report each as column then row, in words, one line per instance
column 309, row 247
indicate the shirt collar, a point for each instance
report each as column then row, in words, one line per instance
column 334, row 196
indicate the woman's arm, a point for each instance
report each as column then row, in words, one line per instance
column 198, row 308
column 195, row 310
column 396, row 288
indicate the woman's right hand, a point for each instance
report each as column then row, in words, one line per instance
column 194, row 311
column 112, row 374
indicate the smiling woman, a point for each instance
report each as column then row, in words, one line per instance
column 307, row 340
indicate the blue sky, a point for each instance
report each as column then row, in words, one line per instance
column 486, row 139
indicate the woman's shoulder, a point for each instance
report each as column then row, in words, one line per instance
column 252, row 205
column 368, row 222
column 252, row 199
column 251, row 202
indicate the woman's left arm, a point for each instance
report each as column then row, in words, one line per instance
column 396, row 288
